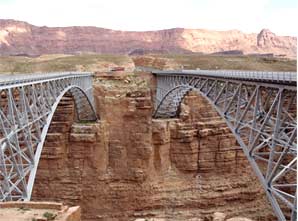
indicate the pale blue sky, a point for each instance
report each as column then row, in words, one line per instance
column 246, row 15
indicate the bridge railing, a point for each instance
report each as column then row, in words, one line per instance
column 275, row 77
column 9, row 79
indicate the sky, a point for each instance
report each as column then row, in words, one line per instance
column 249, row 16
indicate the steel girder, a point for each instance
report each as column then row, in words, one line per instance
column 27, row 105
column 262, row 116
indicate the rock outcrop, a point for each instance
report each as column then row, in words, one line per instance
column 266, row 40
column 21, row 38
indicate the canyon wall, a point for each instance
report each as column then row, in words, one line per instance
column 21, row 38
column 128, row 166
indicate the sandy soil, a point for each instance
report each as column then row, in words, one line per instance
column 25, row 214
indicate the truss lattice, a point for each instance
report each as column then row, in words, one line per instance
column 27, row 105
column 260, row 109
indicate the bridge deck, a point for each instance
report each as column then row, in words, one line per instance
column 14, row 79
column 288, row 78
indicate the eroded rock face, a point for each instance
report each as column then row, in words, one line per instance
column 18, row 37
column 267, row 40
column 128, row 166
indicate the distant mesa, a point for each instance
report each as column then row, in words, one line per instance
column 22, row 38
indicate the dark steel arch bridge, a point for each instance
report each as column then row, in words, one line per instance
column 27, row 105
column 260, row 109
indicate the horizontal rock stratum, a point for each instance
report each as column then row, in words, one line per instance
column 21, row 38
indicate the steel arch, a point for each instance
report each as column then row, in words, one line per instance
column 27, row 107
column 262, row 117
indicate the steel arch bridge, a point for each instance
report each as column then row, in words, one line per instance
column 27, row 105
column 260, row 109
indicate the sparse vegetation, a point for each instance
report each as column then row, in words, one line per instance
column 228, row 62
column 23, row 209
column 56, row 63
column 49, row 216
column 94, row 62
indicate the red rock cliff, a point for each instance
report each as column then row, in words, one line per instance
column 18, row 37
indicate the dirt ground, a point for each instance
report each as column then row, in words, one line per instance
column 27, row 214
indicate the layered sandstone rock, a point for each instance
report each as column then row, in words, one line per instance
column 22, row 38
column 128, row 166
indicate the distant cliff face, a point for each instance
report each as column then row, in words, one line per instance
column 18, row 38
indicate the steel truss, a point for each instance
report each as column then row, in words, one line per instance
column 27, row 105
column 261, row 113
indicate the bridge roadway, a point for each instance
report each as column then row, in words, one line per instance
column 284, row 78
column 260, row 109
column 15, row 79
column 27, row 105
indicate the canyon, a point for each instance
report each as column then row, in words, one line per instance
column 22, row 38
column 129, row 166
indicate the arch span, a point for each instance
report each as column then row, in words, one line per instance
column 262, row 119
column 85, row 112
column 27, row 109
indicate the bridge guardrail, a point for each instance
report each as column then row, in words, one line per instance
column 276, row 77
column 12, row 79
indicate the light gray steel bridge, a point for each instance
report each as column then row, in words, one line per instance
column 27, row 105
column 260, row 109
